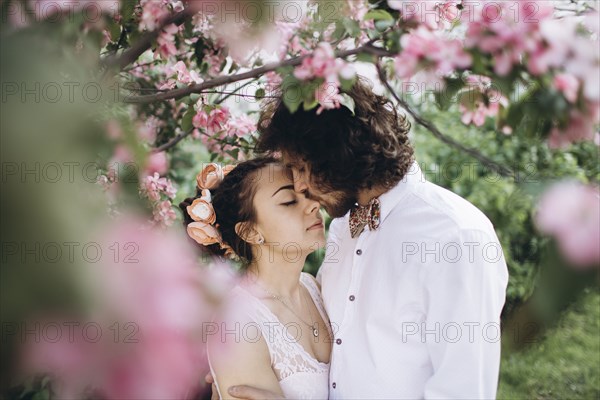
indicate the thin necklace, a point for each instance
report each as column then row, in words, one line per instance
column 314, row 326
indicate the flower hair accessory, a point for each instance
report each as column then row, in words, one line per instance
column 204, row 229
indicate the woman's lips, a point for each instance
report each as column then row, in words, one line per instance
column 318, row 225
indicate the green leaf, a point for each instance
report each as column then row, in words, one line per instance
column 292, row 92
column 351, row 26
column 41, row 395
column 292, row 97
column 234, row 153
column 115, row 30
column 364, row 57
column 383, row 25
column 348, row 102
column 446, row 97
column 186, row 121
column 309, row 105
column 127, row 10
column 378, row 15
column 260, row 93
column 347, row 84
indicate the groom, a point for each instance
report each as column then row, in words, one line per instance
column 414, row 277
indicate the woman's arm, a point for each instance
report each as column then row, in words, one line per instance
column 237, row 358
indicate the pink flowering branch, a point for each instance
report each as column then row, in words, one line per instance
column 430, row 126
column 145, row 42
column 367, row 48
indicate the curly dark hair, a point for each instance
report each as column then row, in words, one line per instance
column 344, row 151
column 232, row 201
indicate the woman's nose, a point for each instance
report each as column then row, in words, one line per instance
column 312, row 206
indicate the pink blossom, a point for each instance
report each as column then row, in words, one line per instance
column 164, row 213
column 153, row 11
column 357, row 9
column 288, row 39
column 167, row 85
column 323, row 64
column 480, row 101
column 200, row 120
column 214, row 60
column 495, row 29
column 214, row 122
column 113, row 128
column 431, row 14
column 570, row 212
column 147, row 129
column 240, row 126
column 153, row 185
column 217, row 119
column 166, row 41
column 154, row 301
column 157, row 162
column 568, row 85
column 580, row 128
column 185, row 76
column 119, row 160
column 273, row 80
column 431, row 52
column 328, row 96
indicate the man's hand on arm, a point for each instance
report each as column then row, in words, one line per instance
column 252, row 393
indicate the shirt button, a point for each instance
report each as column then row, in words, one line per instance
column 339, row 341
column 333, row 385
column 359, row 252
column 351, row 297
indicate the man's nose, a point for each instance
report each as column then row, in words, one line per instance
column 300, row 185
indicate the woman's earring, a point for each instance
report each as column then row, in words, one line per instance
column 261, row 241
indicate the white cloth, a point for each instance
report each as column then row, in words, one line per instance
column 300, row 375
column 415, row 305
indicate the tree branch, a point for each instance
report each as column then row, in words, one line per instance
column 145, row 42
column 227, row 95
column 223, row 80
column 172, row 142
column 488, row 162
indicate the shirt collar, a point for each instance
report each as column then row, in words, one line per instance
column 408, row 184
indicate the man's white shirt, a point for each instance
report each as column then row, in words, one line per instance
column 415, row 305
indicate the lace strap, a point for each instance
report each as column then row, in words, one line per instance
column 315, row 294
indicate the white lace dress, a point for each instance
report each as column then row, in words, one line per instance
column 300, row 375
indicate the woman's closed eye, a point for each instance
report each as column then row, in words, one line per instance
column 289, row 203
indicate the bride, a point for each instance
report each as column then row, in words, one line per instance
column 274, row 332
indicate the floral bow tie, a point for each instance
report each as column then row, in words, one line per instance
column 360, row 216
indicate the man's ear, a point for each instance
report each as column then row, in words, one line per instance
column 248, row 233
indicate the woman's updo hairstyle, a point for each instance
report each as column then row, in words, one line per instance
column 232, row 201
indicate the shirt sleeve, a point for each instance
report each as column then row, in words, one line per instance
column 464, row 294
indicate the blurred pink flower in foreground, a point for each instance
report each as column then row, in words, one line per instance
column 580, row 128
column 160, row 299
column 157, row 162
column 568, row 85
column 570, row 212
column 432, row 53
column 153, row 11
